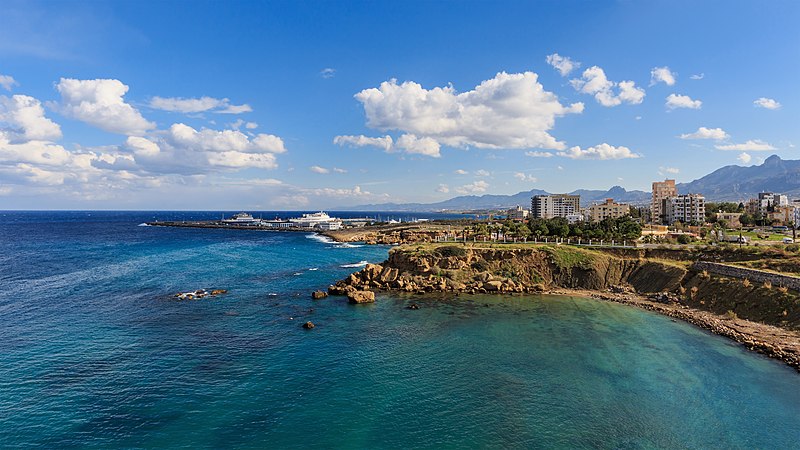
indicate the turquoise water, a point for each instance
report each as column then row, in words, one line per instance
column 94, row 352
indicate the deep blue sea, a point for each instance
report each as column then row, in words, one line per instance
column 95, row 352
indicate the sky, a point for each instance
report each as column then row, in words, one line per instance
column 317, row 105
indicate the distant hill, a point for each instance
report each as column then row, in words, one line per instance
column 489, row 201
column 729, row 183
column 736, row 183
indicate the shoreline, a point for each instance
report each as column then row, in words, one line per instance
column 768, row 340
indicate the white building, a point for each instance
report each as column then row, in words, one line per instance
column 685, row 209
column 517, row 213
column 555, row 205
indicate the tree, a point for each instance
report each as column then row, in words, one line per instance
column 746, row 220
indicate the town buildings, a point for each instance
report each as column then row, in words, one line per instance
column 661, row 191
column 517, row 213
column 608, row 209
column 555, row 205
column 685, row 208
column 731, row 219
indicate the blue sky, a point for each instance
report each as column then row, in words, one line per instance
column 303, row 105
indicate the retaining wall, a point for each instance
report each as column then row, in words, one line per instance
column 750, row 274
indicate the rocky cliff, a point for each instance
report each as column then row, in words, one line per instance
column 457, row 268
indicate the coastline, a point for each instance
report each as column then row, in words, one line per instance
column 771, row 341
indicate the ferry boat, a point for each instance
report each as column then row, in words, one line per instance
column 319, row 220
column 242, row 218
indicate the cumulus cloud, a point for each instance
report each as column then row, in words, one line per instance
column 100, row 103
column 539, row 154
column 751, row 145
column 386, row 143
column 327, row 72
column 443, row 188
column 525, row 177
column 197, row 105
column 662, row 75
column 419, row 145
column 563, row 64
column 508, row 111
column 7, row 82
column 675, row 101
column 318, row 169
column 476, row 187
column 22, row 119
column 717, row 134
column 767, row 103
column 460, row 172
column 593, row 81
column 744, row 158
column 482, row 173
column 699, row 76
column 338, row 170
column 602, row 152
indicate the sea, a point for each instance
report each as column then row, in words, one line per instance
column 97, row 352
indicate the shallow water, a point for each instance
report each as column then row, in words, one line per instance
column 94, row 352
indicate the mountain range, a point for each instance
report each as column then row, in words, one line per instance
column 729, row 183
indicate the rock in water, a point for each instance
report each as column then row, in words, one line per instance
column 413, row 306
column 361, row 297
column 316, row 295
column 308, row 325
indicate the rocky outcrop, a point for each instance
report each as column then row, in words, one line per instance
column 318, row 295
column 361, row 297
column 308, row 325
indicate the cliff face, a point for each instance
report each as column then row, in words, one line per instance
column 454, row 268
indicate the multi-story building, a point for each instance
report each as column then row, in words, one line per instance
column 661, row 191
column 555, row 205
column 731, row 219
column 609, row 209
column 685, row 208
column 517, row 213
column 781, row 214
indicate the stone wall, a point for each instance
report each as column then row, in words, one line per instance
column 750, row 274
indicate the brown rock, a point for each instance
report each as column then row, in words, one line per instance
column 493, row 286
column 316, row 295
column 308, row 325
column 361, row 297
column 219, row 291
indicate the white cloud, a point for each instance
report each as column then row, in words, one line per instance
column 662, row 75
column 385, row 142
column 251, row 125
column 23, row 119
column 751, row 145
column 707, row 133
column 443, row 188
column 525, row 177
column 419, row 145
column 235, row 109
column 593, row 81
column 327, row 72
column 142, row 146
column 460, row 172
column 482, row 173
column 767, row 103
column 744, row 158
column 563, row 64
column 602, row 152
column 668, row 170
column 188, row 105
column 100, row 103
column 476, row 187
column 507, row 111
column 682, row 101
column 539, row 154
column 338, row 170
column 318, row 169
column 7, row 82
column 698, row 76
column 559, row 168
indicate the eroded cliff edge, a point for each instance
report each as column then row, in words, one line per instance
column 763, row 316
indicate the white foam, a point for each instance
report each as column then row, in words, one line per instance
column 358, row 264
column 143, row 225
column 347, row 245
column 321, row 238
column 314, row 268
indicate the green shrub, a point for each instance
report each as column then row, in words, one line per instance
column 452, row 251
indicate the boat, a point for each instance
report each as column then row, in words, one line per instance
column 319, row 220
column 241, row 218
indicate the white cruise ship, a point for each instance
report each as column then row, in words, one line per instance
column 318, row 220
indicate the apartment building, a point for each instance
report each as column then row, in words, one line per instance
column 517, row 213
column 684, row 208
column 555, row 205
column 661, row 191
column 608, row 209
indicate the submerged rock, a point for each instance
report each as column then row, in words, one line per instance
column 413, row 306
column 308, row 325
